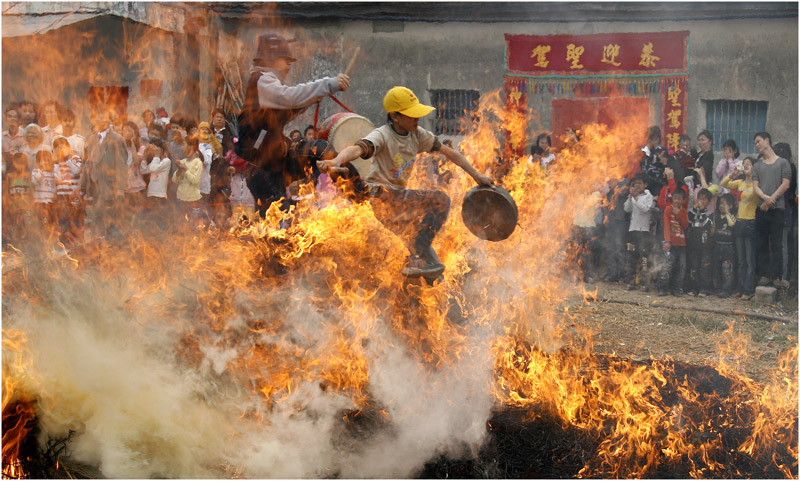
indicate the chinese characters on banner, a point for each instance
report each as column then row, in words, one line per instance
column 673, row 112
column 658, row 53
column 635, row 63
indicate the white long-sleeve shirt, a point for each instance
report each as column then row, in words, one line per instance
column 158, row 169
column 639, row 207
column 205, row 179
column 273, row 94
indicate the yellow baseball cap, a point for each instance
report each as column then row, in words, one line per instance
column 403, row 100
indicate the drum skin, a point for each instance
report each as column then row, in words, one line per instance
column 344, row 129
column 489, row 212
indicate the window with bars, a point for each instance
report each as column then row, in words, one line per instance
column 739, row 120
column 453, row 107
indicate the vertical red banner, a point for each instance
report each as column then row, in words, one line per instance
column 516, row 100
column 673, row 111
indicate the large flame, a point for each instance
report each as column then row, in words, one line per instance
column 302, row 352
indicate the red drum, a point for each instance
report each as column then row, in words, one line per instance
column 344, row 129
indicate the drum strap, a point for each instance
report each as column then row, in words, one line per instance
column 316, row 112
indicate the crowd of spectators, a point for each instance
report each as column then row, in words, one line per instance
column 680, row 223
column 683, row 223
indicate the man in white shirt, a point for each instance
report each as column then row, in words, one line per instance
column 13, row 138
column 268, row 106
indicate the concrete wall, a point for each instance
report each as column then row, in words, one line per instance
column 729, row 59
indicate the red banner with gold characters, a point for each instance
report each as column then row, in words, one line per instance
column 516, row 97
column 657, row 53
column 673, row 111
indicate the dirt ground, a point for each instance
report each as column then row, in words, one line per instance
column 641, row 325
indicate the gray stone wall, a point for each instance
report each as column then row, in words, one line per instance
column 736, row 59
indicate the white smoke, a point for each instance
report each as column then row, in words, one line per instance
column 103, row 354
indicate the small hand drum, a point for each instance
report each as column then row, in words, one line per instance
column 489, row 212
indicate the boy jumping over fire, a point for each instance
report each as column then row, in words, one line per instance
column 413, row 215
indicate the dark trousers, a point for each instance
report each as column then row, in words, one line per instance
column 722, row 261
column 639, row 244
column 698, row 259
column 674, row 270
column 413, row 215
column 268, row 187
column 790, row 245
column 614, row 251
column 746, row 255
column 769, row 225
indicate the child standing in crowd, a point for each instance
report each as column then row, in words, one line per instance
column 675, row 224
column 67, row 174
column 638, row 205
column 730, row 159
column 214, row 175
column 187, row 177
column 156, row 164
column 18, row 201
column 665, row 196
column 44, row 187
column 713, row 189
column 135, row 190
column 210, row 149
column 243, row 204
column 723, row 251
column 745, row 232
column 615, row 221
column 698, row 245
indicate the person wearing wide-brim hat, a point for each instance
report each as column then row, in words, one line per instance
column 414, row 215
column 268, row 106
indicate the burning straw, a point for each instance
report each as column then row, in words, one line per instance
column 260, row 352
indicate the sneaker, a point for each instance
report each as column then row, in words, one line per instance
column 702, row 294
column 780, row 283
column 419, row 267
column 692, row 293
column 662, row 293
column 738, row 295
column 678, row 293
column 764, row 281
column 630, row 287
column 746, row 297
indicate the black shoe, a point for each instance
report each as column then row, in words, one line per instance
column 430, row 255
column 678, row 293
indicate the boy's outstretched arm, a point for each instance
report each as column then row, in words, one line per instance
column 458, row 158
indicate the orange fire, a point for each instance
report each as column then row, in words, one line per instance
column 255, row 331
column 18, row 405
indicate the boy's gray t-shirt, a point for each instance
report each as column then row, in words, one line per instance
column 770, row 176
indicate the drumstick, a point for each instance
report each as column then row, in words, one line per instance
column 352, row 61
